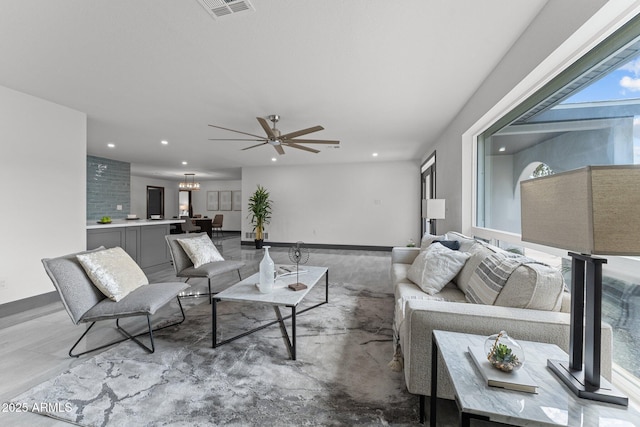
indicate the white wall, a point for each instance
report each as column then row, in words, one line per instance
column 454, row 160
column 232, row 220
column 139, row 195
column 371, row 204
column 43, row 186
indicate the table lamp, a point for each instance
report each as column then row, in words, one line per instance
column 433, row 209
column 593, row 210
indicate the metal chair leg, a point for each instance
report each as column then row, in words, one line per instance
column 128, row 335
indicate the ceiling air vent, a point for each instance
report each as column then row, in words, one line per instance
column 220, row 8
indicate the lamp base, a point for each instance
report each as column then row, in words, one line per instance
column 576, row 382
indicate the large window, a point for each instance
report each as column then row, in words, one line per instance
column 588, row 115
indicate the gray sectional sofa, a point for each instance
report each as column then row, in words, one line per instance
column 532, row 305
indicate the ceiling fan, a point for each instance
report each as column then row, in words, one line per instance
column 276, row 139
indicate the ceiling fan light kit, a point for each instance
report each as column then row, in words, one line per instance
column 276, row 139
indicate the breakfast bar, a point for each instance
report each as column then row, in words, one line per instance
column 142, row 239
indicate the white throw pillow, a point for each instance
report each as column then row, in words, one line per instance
column 113, row 271
column 200, row 250
column 427, row 239
column 435, row 267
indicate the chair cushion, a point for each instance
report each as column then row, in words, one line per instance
column 143, row 300
column 211, row 269
column 113, row 271
column 435, row 267
column 200, row 250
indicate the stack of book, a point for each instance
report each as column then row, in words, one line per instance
column 518, row 380
column 287, row 270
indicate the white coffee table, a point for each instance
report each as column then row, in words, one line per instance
column 553, row 405
column 247, row 291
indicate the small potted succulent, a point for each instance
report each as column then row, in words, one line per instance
column 260, row 213
column 504, row 353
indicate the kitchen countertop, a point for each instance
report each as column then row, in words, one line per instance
column 132, row 223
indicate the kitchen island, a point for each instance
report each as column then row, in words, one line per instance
column 143, row 239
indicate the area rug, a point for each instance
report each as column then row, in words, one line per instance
column 340, row 376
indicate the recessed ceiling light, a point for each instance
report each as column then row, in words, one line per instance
column 184, row 163
column 375, row 154
column 111, row 145
column 273, row 159
column 164, row 142
column 501, row 149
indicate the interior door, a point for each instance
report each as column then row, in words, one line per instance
column 428, row 189
column 155, row 201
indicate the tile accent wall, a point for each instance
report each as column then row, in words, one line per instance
column 108, row 185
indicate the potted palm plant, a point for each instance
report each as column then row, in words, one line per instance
column 260, row 213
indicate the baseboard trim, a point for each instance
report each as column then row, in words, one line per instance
column 322, row 246
column 15, row 307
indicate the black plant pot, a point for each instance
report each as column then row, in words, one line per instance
column 259, row 243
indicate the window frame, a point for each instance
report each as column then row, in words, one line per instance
column 613, row 27
column 608, row 27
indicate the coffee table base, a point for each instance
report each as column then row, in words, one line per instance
column 290, row 342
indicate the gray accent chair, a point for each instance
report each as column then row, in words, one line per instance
column 184, row 267
column 85, row 303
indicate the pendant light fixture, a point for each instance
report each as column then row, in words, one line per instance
column 189, row 183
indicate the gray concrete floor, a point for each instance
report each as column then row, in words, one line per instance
column 34, row 343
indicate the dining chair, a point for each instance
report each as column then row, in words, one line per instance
column 188, row 226
column 216, row 225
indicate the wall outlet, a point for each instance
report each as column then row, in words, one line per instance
column 119, row 207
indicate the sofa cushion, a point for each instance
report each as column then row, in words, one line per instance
column 435, row 267
column 454, row 245
column 408, row 291
column 427, row 239
column 533, row 286
column 511, row 280
column 479, row 252
column 399, row 272
column 466, row 242
column 491, row 275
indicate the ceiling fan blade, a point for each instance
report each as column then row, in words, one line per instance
column 314, row 141
column 279, row 149
column 301, row 132
column 231, row 130
column 265, row 126
column 234, row 139
column 254, row 146
column 301, row 147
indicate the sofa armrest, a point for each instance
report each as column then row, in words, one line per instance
column 404, row 254
column 423, row 317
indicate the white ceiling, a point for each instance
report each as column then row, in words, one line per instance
column 380, row 76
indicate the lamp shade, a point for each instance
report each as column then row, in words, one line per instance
column 433, row 208
column 591, row 210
